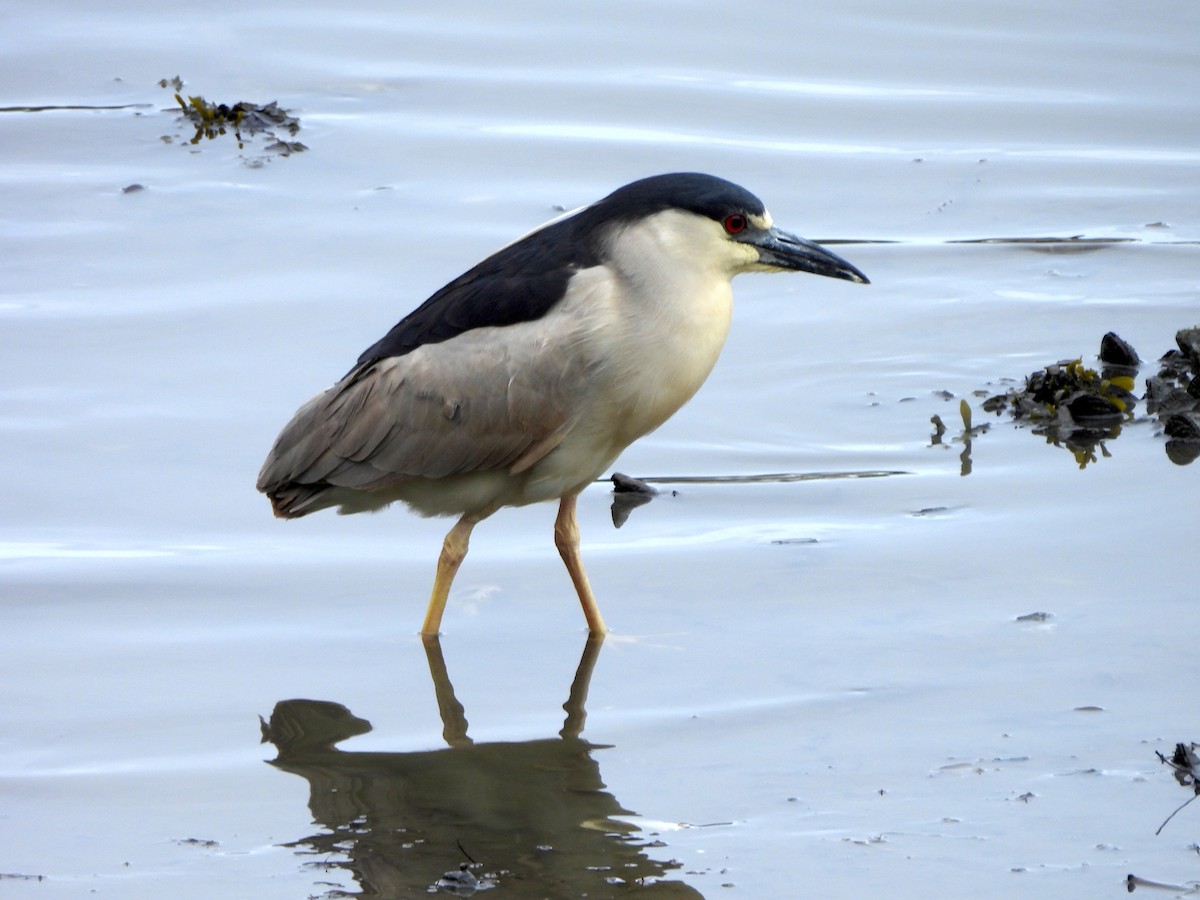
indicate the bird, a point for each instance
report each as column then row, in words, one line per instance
column 524, row 378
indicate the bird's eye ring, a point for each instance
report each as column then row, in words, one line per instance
column 735, row 224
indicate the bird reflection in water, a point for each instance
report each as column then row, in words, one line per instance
column 534, row 814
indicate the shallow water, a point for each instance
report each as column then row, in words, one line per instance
column 813, row 687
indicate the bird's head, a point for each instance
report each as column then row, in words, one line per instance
column 712, row 222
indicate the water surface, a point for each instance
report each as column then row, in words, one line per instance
column 813, row 687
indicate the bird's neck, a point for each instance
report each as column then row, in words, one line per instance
column 670, row 344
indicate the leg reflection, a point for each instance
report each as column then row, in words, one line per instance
column 535, row 814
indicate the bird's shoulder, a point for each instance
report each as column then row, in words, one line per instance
column 519, row 283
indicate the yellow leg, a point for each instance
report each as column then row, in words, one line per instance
column 566, row 538
column 454, row 550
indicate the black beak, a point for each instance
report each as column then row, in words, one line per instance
column 778, row 249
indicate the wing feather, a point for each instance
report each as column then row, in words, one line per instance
column 488, row 399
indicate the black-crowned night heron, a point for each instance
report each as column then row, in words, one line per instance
column 524, row 378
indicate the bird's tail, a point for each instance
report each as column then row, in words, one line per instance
column 291, row 500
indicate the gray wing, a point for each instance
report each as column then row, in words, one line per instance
column 489, row 399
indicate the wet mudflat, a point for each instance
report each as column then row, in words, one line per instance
column 838, row 686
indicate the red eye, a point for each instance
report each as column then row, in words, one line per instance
column 735, row 224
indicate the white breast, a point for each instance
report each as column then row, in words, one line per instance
column 649, row 325
column 653, row 321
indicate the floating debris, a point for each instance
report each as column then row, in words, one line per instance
column 969, row 431
column 1174, row 396
column 1067, row 395
column 1075, row 243
column 939, row 429
column 214, row 119
column 460, row 883
column 1073, row 406
column 285, row 148
column 1133, row 882
column 71, row 107
column 1080, row 408
column 625, row 484
column 243, row 120
column 198, row 842
column 1186, row 766
column 1114, row 351
column 628, row 494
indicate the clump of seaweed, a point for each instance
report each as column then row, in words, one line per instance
column 243, row 119
column 1174, row 396
column 1079, row 408
column 968, row 433
column 1074, row 406
column 1186, row 766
